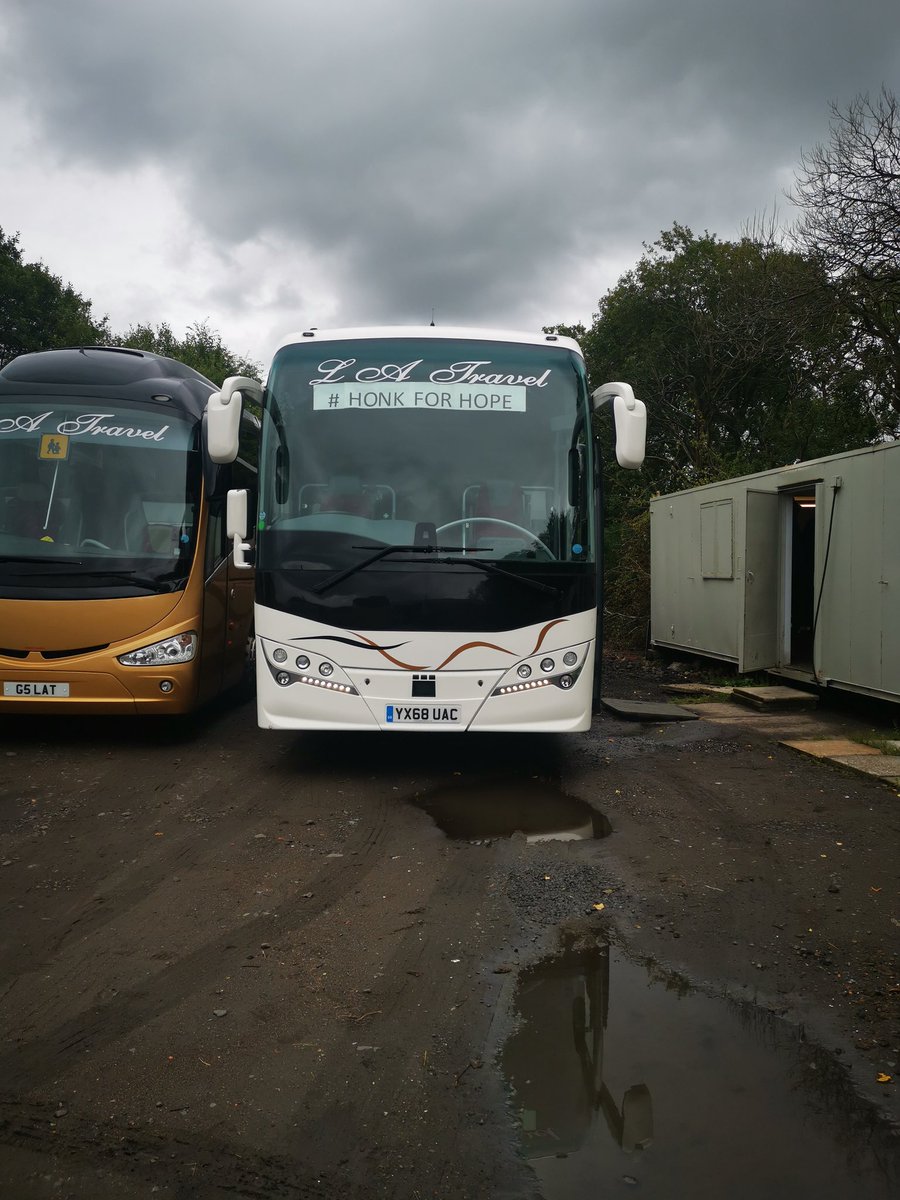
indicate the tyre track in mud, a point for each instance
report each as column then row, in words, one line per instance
column 103, row 898
column 386, row 1133
column 76, row 968
column 385, row 1136
column 391, row 1068
column 48, row 1053
column 140, row 1162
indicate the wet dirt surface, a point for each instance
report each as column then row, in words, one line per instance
column 529, row 806
column 623, row 1077
column 238, row 963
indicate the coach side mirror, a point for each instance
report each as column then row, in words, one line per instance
column 630, row 418
column 223, row 423
column 236, row 526
column 223, row 416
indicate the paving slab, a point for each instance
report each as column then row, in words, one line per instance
column 831, row 747
column 696, row 689
column 796, row 724
column 647, row 710
column 885, row 766
column 723, row 711
column 776, row 696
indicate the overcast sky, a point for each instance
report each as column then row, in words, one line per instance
column 273, row 164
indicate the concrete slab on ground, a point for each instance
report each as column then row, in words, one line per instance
column 776, row 696
column 885, row 766
column 723, row 711
column 647, row 710
column 796, row 724
column 830, row 747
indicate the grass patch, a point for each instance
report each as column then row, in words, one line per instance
column 887, row 743
column 734, row 681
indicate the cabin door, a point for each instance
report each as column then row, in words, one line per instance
column 759, row 642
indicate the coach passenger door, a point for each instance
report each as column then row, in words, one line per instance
column 227, row 623
column 241, row 592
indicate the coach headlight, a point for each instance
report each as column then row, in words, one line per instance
column 524, row 676
column 317, row 672
column 178, row 649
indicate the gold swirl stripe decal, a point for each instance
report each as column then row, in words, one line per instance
column 471, row 646
column 459, row 649
column 545, row 631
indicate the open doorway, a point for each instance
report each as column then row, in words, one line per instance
column 799, row 577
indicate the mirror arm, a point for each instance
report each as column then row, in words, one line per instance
column 630, row 418
column 243, row 384
column 240, row 550
column 223, row 416
column 236, row 527
column 608, row 392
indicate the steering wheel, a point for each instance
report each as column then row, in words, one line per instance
column 93, row 543
column 526, row 533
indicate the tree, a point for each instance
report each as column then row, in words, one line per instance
column 848, row 194
column 737, row 348
column 739, row 351
column 37, row 310
column 200, row 348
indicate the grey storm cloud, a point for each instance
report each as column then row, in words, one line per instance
column 465, row 154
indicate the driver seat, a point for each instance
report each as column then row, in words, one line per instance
column 503, row 500
column 347, row 494
column 25, row 513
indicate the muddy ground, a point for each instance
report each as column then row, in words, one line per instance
column 235, row 963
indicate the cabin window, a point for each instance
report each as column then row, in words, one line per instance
column 717, row 540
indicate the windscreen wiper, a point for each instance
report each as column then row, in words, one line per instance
column 58, row 567
column 374, row 558
column 438, row 555
column 492, row 569
column 123, row 577
column 49, row 563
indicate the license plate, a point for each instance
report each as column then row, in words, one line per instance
column 421, row 714
column 43, row 690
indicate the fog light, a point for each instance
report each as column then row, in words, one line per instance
column 279, row 655
column 570, row 658
column 523, row 671
column 302, row 661
column 283, row 678
column 547, row 664
column 566, row 681
column 166, row 685
column 326, row 669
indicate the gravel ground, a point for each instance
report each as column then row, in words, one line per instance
column 236, row 963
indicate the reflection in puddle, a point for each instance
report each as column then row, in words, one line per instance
column 679, row 1093
column 488, row 809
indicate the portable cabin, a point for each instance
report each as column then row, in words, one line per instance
column 795, row 571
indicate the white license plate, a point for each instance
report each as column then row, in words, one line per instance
column 45, row 691
column 421, row 714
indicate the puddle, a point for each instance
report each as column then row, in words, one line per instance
column 489, row 809
column 623, row 1083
